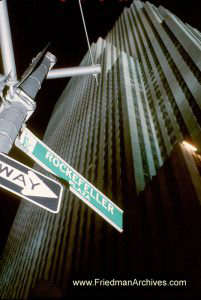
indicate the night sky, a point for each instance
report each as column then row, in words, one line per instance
column 34, row 23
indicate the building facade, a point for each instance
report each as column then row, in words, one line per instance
column 120, row 135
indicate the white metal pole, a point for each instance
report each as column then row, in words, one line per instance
column 6, row 42
column 74, row 71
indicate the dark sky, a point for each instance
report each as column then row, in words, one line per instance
column 34, row 23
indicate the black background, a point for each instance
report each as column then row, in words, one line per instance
column 34, row 23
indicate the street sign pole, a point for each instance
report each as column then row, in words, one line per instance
column 30, row 184
column 82, row 188
column 15, row 109
column 6, row 44
column 19, row 104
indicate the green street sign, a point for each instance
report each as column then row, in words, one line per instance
column 82, row 188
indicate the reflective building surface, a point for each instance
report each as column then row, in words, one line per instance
column 125, row 136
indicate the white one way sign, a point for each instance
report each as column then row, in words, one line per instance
column 29, row 184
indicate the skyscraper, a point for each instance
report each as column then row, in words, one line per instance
column 120, row 135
